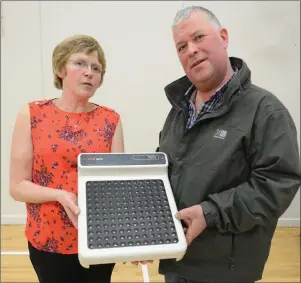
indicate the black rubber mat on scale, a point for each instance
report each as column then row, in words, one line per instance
column 128, row 213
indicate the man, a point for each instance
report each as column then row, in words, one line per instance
column 233, row 157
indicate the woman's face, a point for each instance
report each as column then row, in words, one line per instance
column 82, row 74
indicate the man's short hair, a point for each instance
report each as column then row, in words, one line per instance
column 185, row 13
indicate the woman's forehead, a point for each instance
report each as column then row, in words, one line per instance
column 92, row 56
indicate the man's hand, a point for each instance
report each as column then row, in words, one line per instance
column 194, row 219
column 69, row 202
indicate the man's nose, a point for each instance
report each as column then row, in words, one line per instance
column 192, row 49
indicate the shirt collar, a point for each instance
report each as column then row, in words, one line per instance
column 192, row 88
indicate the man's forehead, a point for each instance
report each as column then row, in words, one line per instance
column 181, row 35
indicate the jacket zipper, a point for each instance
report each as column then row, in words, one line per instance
column 231, row 259
column 215, row 114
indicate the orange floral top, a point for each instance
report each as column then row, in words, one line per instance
column 58, row 137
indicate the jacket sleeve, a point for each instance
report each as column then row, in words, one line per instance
column 274, row 181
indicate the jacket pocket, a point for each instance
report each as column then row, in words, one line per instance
column 253, row 244
column 211, row 245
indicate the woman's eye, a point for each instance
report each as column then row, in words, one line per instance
column 79, row 63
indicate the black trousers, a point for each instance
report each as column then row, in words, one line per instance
column 60, row 268
column 175, row 278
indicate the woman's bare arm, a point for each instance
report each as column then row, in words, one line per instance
column 21, row 186
column 118, row 140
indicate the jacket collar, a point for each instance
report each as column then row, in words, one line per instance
column 176, row 90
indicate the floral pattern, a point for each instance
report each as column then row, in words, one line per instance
column 58, row 138
column 43, row 177
column 67, row 134
column 108, row 132
column 34, row 210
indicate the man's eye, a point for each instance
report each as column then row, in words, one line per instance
column 181, row 48
column 198, row 37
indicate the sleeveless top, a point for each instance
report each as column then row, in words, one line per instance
column 58, row 137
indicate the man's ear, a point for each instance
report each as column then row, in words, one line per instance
column 224, row 37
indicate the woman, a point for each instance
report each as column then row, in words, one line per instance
column 48, row 136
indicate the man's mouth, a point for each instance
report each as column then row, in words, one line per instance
column 197, row 63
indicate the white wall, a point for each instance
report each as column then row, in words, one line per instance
column 21, row 81
column 137, row 40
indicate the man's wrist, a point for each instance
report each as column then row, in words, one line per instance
column 210, row 213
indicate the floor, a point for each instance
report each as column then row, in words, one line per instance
column 283, row 264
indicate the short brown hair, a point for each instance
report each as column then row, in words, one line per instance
column 71, row 45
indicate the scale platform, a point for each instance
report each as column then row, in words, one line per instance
column 127, row 209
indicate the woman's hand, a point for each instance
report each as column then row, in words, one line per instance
column 69, row 202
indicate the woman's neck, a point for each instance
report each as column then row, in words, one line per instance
column 73, row 104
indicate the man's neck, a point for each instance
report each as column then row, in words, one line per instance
column 200, row 97
column 204, row 95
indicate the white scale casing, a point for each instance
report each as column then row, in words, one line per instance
column 125, row 166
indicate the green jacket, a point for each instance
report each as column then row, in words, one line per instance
column 241, row 163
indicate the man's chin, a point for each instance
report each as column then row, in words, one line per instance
column 200, row 79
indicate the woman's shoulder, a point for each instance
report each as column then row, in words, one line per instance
column 39, row 107
column 39, row 103
column 107, row 110
column 31, row 107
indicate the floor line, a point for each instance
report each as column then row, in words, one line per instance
column 14, row 253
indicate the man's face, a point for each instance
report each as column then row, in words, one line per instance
column 202, row 49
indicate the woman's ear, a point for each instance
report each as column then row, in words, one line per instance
column 62, row 74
